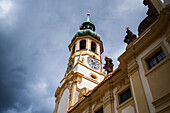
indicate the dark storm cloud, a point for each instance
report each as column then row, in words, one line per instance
column 22, row 43
column 12, row 85
column 34, row 36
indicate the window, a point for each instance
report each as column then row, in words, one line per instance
column 100, row 110
column 93, row 46
column 151, row 60
column 156, row 58
column 93, row 76
column 125, row 95
column 82, row 44
column 73, row 50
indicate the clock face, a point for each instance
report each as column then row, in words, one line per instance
column 93, row 63
column 70, row 66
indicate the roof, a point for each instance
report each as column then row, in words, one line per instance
column 86, row 32
column 108, row 77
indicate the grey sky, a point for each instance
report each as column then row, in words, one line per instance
column 34, row 39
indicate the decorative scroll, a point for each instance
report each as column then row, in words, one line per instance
column 152, row 16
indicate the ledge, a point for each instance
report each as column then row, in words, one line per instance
column 124, row 103
column 86, row 32
column 91, row 68
column 161, row 100
column 162, row 104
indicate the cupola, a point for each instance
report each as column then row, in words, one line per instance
column 87, row 24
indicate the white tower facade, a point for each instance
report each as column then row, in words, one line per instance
column 84, row 69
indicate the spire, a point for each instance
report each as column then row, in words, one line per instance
column 88, row 16
column 87, row 24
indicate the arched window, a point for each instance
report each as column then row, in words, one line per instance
column 93, row 46
column 82, row 44
column 73, row 50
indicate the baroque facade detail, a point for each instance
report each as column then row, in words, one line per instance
column 152, row 16
column 140, row 84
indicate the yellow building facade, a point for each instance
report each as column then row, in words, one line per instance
column 140, row 84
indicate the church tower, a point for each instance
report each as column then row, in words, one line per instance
column 84, row 70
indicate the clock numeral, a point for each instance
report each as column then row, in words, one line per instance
column 93, row 63
column 97, row 66
column 70, row 66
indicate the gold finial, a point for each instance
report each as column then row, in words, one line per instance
column 88, row 13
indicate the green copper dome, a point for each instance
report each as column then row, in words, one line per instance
column 86, row 32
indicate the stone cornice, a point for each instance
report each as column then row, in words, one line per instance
column 152, row 33
column 162, row 104
column 132, row 68
column 161, row 100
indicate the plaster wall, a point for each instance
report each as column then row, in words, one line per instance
column 77, row 94
column 142, row 71
column 98, row 50
column 86, row 83
column 129, row 109
column 134, row 95
column 115, row 103
column 62, row 108
column 87, row 72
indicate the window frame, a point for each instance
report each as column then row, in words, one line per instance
column 84, row 45
column 94, row 76
column 121, row 102
column 121, row 90
column 99, row 109
column 92, row 46
column 155, row 59
column 73, row 49
column 150, row 54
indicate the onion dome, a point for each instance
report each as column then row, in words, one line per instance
column 87, row 24
column 87, row 28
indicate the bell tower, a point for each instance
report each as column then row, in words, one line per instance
column 84, row 68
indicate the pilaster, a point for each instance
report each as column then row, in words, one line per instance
column 137, row 87
column 73, row 93
column 108, row 105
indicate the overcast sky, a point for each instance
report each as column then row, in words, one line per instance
column 34, row 39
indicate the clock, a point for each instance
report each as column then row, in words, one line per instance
column 70, row 66
column 93, row 63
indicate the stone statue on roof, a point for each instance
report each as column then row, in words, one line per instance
column 130, row 37
column 109, row 65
